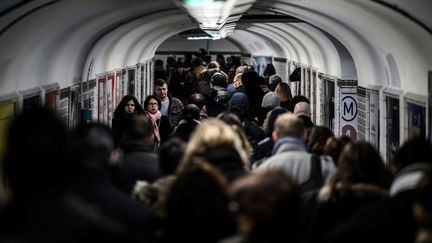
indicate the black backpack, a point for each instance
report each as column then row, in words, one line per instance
column 316, row 179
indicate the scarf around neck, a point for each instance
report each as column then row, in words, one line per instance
column 154, row 118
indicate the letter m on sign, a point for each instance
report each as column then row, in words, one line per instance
column 348, row 108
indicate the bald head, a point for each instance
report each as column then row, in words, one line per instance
column 240, row 69
column 288, row 125
column 302, row 108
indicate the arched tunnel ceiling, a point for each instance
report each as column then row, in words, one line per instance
column 44, row 42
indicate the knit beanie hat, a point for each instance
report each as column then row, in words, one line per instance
column 270, row 100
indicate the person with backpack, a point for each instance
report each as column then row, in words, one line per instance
column 290, row 154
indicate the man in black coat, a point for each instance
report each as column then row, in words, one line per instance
column 138, row 161
column 94, row 151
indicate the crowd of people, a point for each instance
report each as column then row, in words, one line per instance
column 228, row 156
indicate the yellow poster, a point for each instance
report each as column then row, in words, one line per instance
column 7, row 112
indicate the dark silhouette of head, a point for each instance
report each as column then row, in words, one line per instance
column 198, row 99
column 296, row 99
column 170, row 154
column 275, row 218
column 415, row 150
column 139, row 130
column 360, row 162
column 36, row 151
column 318, row 138
column 91, row 146
column 191, row 112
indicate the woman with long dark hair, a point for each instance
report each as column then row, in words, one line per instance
column 127, row 107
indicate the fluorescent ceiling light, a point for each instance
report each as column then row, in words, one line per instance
column 199, row 38
column 213, row 15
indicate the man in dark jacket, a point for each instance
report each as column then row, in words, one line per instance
column 138, row 162
column 219, row 95
column 171, row 107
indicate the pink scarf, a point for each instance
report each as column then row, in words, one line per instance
column 155, row 117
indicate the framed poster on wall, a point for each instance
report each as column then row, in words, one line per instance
column 329, row 104
column 131, row 81
column 74, row 105
column 87, row 113
column 302, row 81
column 8, row 109
column 124, row 83
column 280, row 65
column 142, row 82
column 416, row 123
column 150, row 77
column 31, row 98
column 118, row 88
column 373, row 110
column 64, row 105
column 415, row 115
column 101, row 98
column 138, row 93
column 393, row 126
column 109, row 92
column 52, row 96
column 321, row 116
column 362, row 113
column 430, row 106
column 307, row 83
column 314, row 97
column 91, row 98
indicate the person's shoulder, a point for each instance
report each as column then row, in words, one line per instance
column 175, row 100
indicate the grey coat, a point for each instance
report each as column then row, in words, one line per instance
column 290, row 155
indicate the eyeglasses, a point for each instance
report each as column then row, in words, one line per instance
column 153, row 104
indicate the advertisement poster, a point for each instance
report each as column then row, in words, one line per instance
column 32, row 100
column 362, row 112
column 416, row 123
column 64, row 105
column 131, row 81
column 51, row 98
column 74, row 105
column 329, row 96
column 149, row 82
column 281, row 68
column 138, row 83
column 393, row 126
column 118, row 93
column 307, row 83
column 89, row 96
column 101, row 99
column 260, row 63
column 7, row 113
column 373, row 105
column 124, row 83
column 109, row 92
column 142, row 83
column 430, row 106
column 314, row 97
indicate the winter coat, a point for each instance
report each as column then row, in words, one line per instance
column 290, row 155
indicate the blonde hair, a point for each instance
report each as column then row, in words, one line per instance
column 283, row 90
column 210, row 134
